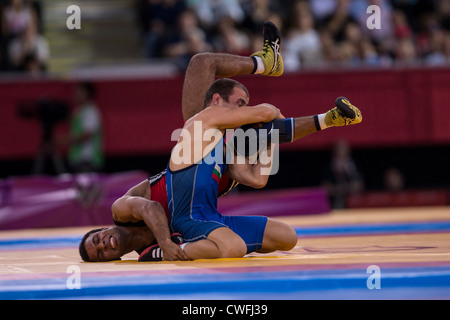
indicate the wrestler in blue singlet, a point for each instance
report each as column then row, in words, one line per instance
column 192, row 199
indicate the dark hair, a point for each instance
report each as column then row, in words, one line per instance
column 224, row 87
column 89, row 89
column 83, row 253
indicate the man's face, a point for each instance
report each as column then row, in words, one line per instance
column 104, row 245
column 238, row 98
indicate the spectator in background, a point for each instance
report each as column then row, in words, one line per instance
column 17, row 16
column 406, row 52
column 358, row 11
column 259, row 11
column 393, row 180
column 302, row 47
column 443, row 9
column 322, row 9
column 29, row 52
column 211, row 11
column 437, row 55
column 230, row 39
column 342, row 176
column 188, row 41
column 159, row 21
column 316, row 33
column 85, row 139
column 335, row 23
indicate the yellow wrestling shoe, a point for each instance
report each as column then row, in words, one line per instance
column 270, row 54
column 344, row 114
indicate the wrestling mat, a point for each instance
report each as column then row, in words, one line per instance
column 351, row 254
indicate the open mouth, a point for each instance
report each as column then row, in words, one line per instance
column 113, row 243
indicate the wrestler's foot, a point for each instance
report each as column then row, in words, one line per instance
column 270, row 54
column 154, row 252
column 344, row 114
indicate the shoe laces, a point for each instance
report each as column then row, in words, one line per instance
column 266, row 47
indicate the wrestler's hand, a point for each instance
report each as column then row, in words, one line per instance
column 173, row 252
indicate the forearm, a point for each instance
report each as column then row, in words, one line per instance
column 263, row 167
column 233, row 118
column 155, row 218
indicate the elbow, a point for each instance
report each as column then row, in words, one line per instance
column 258, row 183
column 268, row 114
column 115, row 206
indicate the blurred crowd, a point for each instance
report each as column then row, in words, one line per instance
column 316, row 33
column 23, row 47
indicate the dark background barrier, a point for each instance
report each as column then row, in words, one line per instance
column 406, row 122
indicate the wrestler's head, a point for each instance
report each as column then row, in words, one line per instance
column 231, row 91
column 103, row 244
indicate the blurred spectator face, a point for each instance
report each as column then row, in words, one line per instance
column 196, row 41
column 343, row 6
column 406, row 51
column 346, row 51
column 393, row 180
column 305, row 20
column 187, row 20
column 353, row 32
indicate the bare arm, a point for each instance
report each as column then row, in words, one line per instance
column 123, row 213
column 225, row 118
column 134, row 206
column 251, row 175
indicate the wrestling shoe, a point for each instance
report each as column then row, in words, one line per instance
column 270, row 54
column 343, row 115
column 154, row 252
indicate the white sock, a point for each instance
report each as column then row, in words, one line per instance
column 183, row 245
column 259, row 65
column 321, row 118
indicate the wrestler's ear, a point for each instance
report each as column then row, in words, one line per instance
column 216, row 99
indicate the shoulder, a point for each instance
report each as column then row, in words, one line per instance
column 142, row 190
column 212, row 113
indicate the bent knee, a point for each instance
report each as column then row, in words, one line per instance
column 202, row 60
column 289, row 240
column 279, row 236
column 235, row 249
column 228, row 243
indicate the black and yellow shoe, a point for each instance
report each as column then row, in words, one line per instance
column 344, row 114
column 270, row 54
